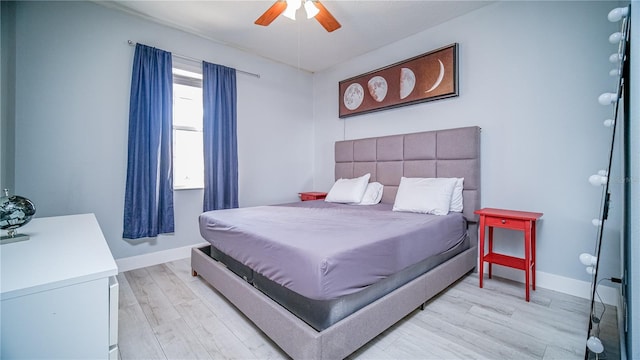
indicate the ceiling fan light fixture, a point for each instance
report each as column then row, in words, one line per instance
column 292, row 7
column 311, row 9
column 288, row 8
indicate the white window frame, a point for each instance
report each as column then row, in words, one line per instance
column 193, row 79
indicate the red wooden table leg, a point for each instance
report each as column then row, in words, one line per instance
column 533, row 255
column 490, row 265
column 527, row 258
column 481, row 251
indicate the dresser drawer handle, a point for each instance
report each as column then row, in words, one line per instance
column 503, row 221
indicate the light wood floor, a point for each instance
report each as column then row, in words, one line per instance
column 165, row 313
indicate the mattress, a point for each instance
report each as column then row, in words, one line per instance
column 325, row 251
column 321, row 314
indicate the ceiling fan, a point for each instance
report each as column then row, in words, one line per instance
column 288, row 8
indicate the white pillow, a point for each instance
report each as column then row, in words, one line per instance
column 372, row 195
column 348, row 190
column 456, row 197
column 424, row 195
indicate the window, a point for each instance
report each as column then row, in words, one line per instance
column 188, row 160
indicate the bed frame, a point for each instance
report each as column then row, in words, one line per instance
column 442, row 153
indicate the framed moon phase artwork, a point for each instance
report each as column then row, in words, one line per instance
column 426, row 77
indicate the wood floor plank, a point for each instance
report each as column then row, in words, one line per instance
column 182, row 269
column 172, row 286
column 167, row 313
column 422, row 341
column 371, row 351
column 490, row 301
column 212, row 333
column 126, row 296
column 178, row 341
column 561, row 353
column 136, row 339
column 259, row 344
column 464, row 336
column 154, row 303
column 505, row 332
column 508, row 289
column 570, row 304
column 489, row 314
column 413, row 348
column 546, row 327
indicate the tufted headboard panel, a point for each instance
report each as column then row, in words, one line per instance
column 440, row 153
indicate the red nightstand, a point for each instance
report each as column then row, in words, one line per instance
column 514, row 220
column 312, row 195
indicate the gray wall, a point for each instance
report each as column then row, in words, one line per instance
column 73, row 73
column 530, row 76
column 7, row 95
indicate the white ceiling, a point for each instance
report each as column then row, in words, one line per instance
column 303, row 43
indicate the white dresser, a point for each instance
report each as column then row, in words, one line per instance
column 59, row 293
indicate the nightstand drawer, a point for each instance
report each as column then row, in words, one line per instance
column 505, row 223
column 312, row 195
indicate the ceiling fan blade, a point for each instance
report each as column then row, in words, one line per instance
column 325, row 18
column 272, row 13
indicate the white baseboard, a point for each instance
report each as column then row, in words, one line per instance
column 155, row 258
column 579, row 288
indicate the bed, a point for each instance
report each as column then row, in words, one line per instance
column 312, row 311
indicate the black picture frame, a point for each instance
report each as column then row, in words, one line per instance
column 426, row 77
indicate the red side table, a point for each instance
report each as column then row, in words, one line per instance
column 514, row 220
column 312, row 195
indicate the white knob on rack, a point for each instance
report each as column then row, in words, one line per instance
column 617, row 14
column 616, row 37
column 607, row 98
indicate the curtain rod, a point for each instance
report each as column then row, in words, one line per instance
column 132, row 43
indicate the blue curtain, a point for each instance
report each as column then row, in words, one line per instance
column 220, row 140
column 148, row 202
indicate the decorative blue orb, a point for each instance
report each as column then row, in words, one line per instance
column 15, row 211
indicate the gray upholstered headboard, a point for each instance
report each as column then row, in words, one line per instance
column 441, row 153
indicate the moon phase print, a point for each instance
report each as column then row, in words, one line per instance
column 426, row 77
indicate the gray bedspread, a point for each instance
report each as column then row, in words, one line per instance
column 323, row 250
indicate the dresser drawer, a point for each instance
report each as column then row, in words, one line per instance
column 505, row 223
column 113, row 352
column 113, row 310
